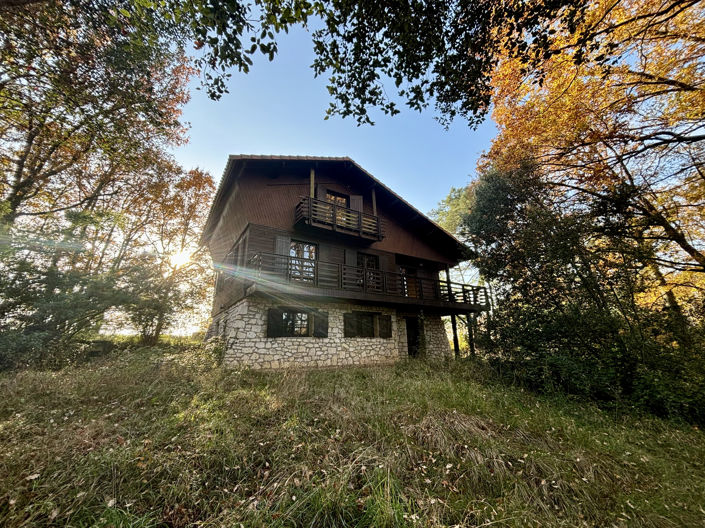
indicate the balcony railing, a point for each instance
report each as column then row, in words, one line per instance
column 331, row 216
column 327, row 275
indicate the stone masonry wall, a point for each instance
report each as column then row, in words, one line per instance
column 244, row 328
column 437, row 345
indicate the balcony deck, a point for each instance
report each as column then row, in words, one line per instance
column 327, row 215
column 312, row 278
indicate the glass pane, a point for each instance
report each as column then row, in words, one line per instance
column 367, row 324
column 338, row 199
column 295, row 324
column 302, row 266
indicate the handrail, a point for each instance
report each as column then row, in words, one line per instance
column 338, row 218
column 316, row 273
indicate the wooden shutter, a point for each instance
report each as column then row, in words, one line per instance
column 320, row 324
column 351, row 257
column 356, row 202
column 275, row 322
column 321, row 192
column 349, row 325
column 282, row 245
column 385, row 326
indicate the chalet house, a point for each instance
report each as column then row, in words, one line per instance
column 320, row 264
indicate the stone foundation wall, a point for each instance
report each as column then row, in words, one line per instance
column 244, row 328
column 437, row 344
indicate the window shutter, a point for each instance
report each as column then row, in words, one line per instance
column 275, row 323
column 356, row 202
column 320, row 324
column 282, row 245
column 281, row 263
column 351, row 257
column 349, row 325
column 385, row 326
column 321, row 192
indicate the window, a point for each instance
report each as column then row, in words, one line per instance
column 302, row 264
column 296, row 322
column 343, row 200
column 367, row 324
column 367, row 261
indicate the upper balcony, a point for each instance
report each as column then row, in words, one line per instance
column 306, row 277
column 328, row 215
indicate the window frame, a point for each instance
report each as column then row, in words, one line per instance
column 285, row 318
column 353, row 326
column 303, row 268
column 337, row 196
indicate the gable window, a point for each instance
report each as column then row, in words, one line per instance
column 296, row 322
column 302, row 264
column 367, row 324
column 342, row 200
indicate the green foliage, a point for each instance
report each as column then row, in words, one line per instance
column 568, row 312
column 155, row 437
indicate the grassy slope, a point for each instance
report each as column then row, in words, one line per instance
column 148, row 440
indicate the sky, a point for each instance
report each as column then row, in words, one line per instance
column 279, row 108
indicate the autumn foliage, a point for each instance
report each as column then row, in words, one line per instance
column 589, row 212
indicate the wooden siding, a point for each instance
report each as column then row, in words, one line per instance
column 263, row 240
column 270, row 199
column 260, row 207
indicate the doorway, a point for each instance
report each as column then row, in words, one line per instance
column 413, row 336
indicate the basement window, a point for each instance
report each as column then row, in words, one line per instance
column 296, row 322
column 367, row 324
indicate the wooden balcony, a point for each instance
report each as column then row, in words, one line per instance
column 299, row 276
column 327, row 215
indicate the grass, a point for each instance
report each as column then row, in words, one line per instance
column 159, row 437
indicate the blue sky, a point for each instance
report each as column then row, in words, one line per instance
column 279, row 108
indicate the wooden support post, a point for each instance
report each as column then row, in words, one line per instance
column 471, row 333
column 374, row 202
column 453, row 322
column 313, row 183
column 456, row 344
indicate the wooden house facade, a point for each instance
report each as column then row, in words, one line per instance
column 320, row 264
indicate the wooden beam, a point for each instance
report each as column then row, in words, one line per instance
column 374, row 202
column 471, row 333
column 313, row 183
column 453, row 323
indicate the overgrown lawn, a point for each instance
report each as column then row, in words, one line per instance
column 155, row 437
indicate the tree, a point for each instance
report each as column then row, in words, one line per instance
column 629, row 133
column 73, row 101
column 172, row 276
column 570, row 311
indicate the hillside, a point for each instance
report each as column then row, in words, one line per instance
column 158, row 437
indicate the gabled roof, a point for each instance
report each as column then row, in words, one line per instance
column 236, row 161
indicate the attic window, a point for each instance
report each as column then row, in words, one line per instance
column 342, row 200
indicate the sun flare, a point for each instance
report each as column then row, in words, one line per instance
column 179, row 259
